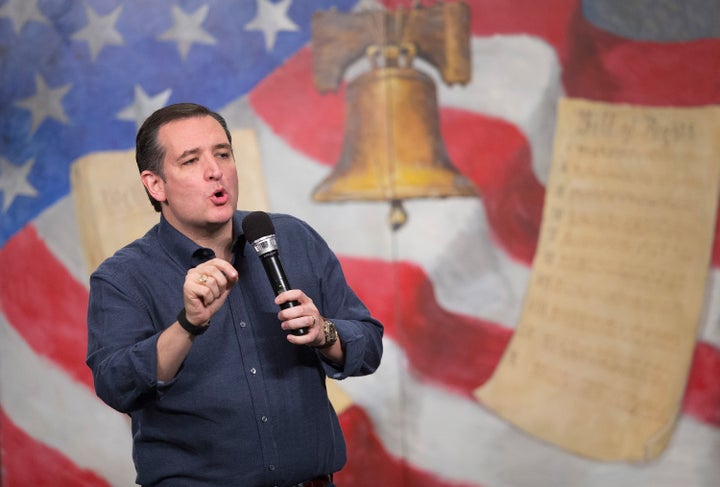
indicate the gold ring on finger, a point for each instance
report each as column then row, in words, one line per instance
column 202, row 279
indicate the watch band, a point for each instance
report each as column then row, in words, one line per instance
column 194, row 330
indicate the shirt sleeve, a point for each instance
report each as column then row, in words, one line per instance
column 359, row 332
column 122, row 344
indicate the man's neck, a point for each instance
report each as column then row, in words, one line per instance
column 218, row 237
column 219, row 241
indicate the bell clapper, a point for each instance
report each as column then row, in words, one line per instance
column 398, row 216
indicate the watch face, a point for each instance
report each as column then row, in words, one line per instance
column 330, row 332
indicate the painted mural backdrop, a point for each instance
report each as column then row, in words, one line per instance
column 78, row 77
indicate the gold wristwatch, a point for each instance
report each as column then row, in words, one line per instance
column 331, row 334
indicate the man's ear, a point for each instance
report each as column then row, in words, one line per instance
column 154, row 185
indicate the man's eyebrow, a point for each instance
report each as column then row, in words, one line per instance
column 196, row 150
column 188, row 152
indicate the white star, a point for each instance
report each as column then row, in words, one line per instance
column 22, row 11
column 100, row 31
column 143, row 106
column 272, row 18
column 13, row 181
column 187, row 30
column 47, row 102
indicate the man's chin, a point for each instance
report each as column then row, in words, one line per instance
column 221, row 215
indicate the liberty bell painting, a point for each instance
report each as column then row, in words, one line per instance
column 392, row 148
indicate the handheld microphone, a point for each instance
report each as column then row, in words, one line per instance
column 260, row 232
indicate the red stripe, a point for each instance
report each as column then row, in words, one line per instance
column 547, row 20
column 28, row 462
column 495, row 155
column 716, row 243
column 460, row 353
column 308, row 121
column 602, row 66
column 449, row 349
column 44, row 303
column 702, row 397
column 370, row 464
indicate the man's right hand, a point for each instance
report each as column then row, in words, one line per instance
column 206, row 288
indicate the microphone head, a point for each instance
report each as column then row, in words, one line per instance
column 260, row 233
column 257, row 225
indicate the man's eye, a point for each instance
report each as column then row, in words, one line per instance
column 223, row 155
column 190, row 161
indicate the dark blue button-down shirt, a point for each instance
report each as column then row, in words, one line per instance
column 247, row 407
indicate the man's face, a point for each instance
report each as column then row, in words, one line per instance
column 200, row 189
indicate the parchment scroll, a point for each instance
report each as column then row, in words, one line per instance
column 599, row 361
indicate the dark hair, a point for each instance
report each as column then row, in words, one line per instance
column 149, row 153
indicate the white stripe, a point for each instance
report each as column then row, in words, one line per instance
column 709, row 329
column 458, row 439
column 61, row 413
column 518, row 79
column 57, row 226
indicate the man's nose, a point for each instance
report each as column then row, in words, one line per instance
column 213, row 171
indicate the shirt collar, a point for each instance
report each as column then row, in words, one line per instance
column 238, row 246
column 188, row 253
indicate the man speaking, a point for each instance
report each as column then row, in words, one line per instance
column 224, row 379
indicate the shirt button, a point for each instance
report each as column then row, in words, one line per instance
column 264, row 419
column 253, row 371
column 243, row 324
column 271, row 467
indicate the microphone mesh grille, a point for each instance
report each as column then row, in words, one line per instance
column 257, row 225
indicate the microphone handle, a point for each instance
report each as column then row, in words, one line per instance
column 279, row 283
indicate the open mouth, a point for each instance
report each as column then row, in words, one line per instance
column 219, row 197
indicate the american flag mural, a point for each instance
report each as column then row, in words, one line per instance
column 78, row 76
